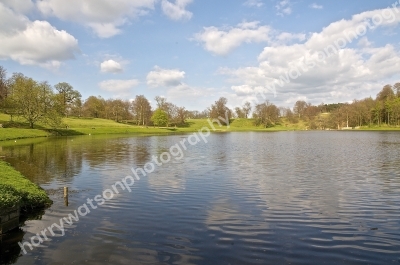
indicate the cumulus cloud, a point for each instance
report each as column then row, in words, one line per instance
column 316, row 6
column 111, row 66
column 33, row 42
column 21, row 6
column 284, row 7
column 253, row 3
column 223, row 41
column 104, row 17
column 119, row 87
column 286, row 37
column 325, row 67
column 165, row 77
column 198, row 96
column 176, row 11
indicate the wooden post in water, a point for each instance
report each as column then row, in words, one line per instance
column 66, row 196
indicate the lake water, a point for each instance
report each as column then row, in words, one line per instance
column 241, row 198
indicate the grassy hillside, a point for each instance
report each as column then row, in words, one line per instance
column 85, row 126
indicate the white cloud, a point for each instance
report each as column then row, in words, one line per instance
column 198, row 97
column 286, row 37
column 253, row 3
column 34, row 43
column 364, row 42
column 222, row 42
column 111, row 66
column 104, row 17
column 176, row 11
column 284, row 7
column 352, row 72
column 165, row 77
column 316, row 6
column 20, row 6
column 119, row 88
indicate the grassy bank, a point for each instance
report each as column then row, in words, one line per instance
column 13, row 133
column 85, row 126
column 380, row 128
column 15, row 189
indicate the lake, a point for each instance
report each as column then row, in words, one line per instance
column 241, row 198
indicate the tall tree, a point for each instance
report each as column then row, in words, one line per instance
column 142, row 110
column 219, row 110
column 299, row 108
column 386, row 93
column 94, row 107
column 118, row 109
column 3, row 85
column 161, row 102
column 396, row 88
column 310, row 112
column 338, row 118
column 383, row 96
column 33, row 101
column 182, row 115
column 239, row 112
column 246, row 109
column 290, row 116
column 159, row 118
column 77, row 108
column 67, row 96
column 266, row 114
column 172, row 112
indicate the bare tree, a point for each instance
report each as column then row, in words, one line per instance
column 142, row 110
column 246, row 109
column 266, row 114
column 396, row 87
column 239, row 112
column 182, row 115
column 161, row 102
column 3, row 84
column 220, row 110
column 299, row 107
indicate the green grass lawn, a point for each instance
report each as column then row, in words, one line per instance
column 15, row 189
column 93, row 126
column 20, row 131
column 12, row 133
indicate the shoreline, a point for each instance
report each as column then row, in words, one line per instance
column 10, row 134
column 18, row 191
column 73, row 126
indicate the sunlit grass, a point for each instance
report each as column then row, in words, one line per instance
column 92, row 122
column 12, row 133
column 93, row 126
column 15, row 189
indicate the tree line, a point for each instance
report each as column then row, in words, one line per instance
column 383, row 110
column 39, row 102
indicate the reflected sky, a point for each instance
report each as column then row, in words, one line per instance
column 242, row 198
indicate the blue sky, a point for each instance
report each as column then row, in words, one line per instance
column 192, row 52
